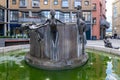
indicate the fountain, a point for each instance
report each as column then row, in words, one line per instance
column 55, row 46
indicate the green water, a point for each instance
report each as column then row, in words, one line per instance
column 99, row 67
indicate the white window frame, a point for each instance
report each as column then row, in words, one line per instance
column 77, row 2
column 23, row 4
column 35, row 3
column 65, row 3
column 45, row 2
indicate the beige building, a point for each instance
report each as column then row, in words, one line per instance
column 22, row 11
column 38, row 10
column 116, row 17
column 3, row 18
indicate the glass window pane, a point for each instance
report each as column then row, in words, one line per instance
column 45, row 1
column 35, row 3
column 55, row 2
column 13, row 15
column 65, row 3
column 77, row 2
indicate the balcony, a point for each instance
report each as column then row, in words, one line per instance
column 32, row 19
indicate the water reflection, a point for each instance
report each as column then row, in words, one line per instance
column 110, row 72
column 99, row 67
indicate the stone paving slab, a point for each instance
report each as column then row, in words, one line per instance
column 12, row 48
column 99, row 45
column 91, row 44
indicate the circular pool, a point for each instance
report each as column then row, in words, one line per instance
column 100, row 66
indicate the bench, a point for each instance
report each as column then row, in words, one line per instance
column 16, row 42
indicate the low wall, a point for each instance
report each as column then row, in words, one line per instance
column 10, row 42
column 104, row 49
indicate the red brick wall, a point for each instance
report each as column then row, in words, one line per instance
column 98, row 13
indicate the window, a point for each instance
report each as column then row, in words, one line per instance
column 57, row 15
column 94, row 20
column 94, row 6
column 55, row 2
column 13, row 1
column 87, row 16
column 45, row 1
column 65, row 3
column 86, row 3
column 46, row 14
column 35, row 3
column 1, row 15
column 74, row 18
column 66, row 17
column 114, row 11
column 23, row 3
column 13, row 15
column 77, row 2
column 25, row 15
column 35, row 14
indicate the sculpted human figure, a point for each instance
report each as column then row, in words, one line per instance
column 39, row 35
column 81, row 27
column 52, row 23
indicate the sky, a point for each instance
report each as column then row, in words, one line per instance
column 109, row 11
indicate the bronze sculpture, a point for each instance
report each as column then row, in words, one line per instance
column 81, row 28
column 60, row 49
column 52, row 23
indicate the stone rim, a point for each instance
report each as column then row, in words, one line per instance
column 46, row 65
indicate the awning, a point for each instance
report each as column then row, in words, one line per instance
column 104, row 23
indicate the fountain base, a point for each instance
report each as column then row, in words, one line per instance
column 47, row 64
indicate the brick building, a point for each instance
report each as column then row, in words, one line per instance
column 99, row 19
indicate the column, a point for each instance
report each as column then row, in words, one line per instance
column 5, row 20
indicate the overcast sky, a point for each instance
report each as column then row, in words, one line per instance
column 109, row 10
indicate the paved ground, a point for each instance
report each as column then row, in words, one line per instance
column 99, row 45
column 91, row 44
column 12, row 48
column 115, row 42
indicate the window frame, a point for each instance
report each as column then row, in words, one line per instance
column 86, row 3
column 76, row 2
column 14, row 2
column 21, row 3
column 14, row 15
column 56, row 2
column 65, row 3
column 38, row 3
column 45, row 2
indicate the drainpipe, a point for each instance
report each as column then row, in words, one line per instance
column 91, row 21
column 5, row 20
column 8, row 16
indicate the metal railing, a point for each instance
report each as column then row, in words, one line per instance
column 29, row 19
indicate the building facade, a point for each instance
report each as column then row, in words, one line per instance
column 99, row 19
column 38, row 11
column 116, row 18
column 2, row 17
